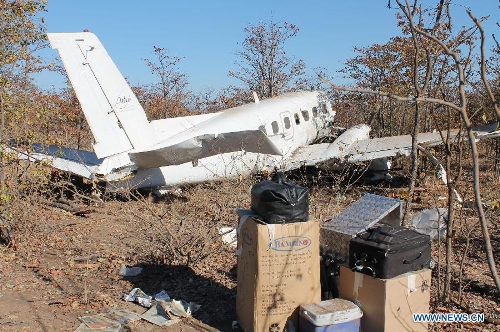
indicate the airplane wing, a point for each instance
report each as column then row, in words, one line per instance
column 79, row 162
column 330, row 155
column 204, row 146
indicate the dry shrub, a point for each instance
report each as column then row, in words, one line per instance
column 23, row 183
column 183, row 227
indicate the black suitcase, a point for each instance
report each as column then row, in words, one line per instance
column 280, row 201
column 387, row 251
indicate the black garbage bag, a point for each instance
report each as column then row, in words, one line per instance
column 280, row 200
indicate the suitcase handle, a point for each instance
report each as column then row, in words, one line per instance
column 361, row 268
column 377, row 231
column 413, row 260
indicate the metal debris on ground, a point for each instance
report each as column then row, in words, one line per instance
column 162, row 296
column 99, row 322
column 432, row 222
column 133, row 271
column 157, row 315
column 110, row 321
column 168, row 312
column 179, row 308
column 137, row 295
column 228, row 235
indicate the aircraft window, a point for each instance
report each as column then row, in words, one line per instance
column 263, row 129
column 305, row 114
column 315, row 112
column 287, row 122
column 323, row 108
column 274, row 124
column 297, row 119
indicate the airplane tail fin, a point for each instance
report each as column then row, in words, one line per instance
column 114, row 114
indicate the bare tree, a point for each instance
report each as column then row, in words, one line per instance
column 166, row 97
column 263, row 65
column 455, row 101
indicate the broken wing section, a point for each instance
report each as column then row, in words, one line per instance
column 205, row 146
column 376, row 148
column 78, row 162
column 351, row 147
column 328, row 155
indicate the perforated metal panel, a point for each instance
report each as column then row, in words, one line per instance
column 371, row 209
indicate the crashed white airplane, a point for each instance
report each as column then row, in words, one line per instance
column 132, row 152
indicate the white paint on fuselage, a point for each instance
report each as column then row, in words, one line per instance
column 304, row 113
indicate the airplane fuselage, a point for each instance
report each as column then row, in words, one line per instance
column 132, row 152
column 289, row 121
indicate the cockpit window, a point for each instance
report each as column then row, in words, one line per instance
column 276, row 129
column 297, row 119
column 286, row 120
column 323, row 108
column 315, row 112
column 305, row 115
column 263, row 129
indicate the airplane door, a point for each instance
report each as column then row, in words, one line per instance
column 286, row 122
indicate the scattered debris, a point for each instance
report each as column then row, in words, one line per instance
column 162, row 296
column 228, row 235
column 126, row 271
column 99, row 322
column 179, row 308
column 121, row 316
column 157, row 315
column 169, row 312
column 140, row 297
column 110, row 321
column 431, row 222
column 164, row 312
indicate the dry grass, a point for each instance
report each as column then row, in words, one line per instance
column 68, row 264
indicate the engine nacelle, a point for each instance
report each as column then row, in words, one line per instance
column 357, row 133
column 339, row 148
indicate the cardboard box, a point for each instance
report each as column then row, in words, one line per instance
column 278, row 270
column 388, row 304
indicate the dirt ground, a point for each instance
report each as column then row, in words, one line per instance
column 65, row 265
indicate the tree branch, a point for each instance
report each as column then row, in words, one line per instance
column 390, row 95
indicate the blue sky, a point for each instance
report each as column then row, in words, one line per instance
column 207, row 33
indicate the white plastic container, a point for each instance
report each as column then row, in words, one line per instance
column 330, row 316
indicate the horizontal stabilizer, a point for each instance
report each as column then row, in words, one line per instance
column 205, row 146
column 78, row 162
